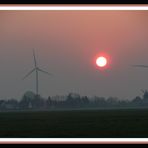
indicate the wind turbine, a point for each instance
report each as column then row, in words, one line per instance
column 143, row 66
column 36, row 69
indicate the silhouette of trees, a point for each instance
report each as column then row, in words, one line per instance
column 2, row 104
column 48, row 102
column 137, row 101
column 30, row 101
column 145, row 97
column 112, row 101
column 85, row 100
column 37, row 102
column 12, row 104
column 73, row 99
column 26, row 101
column 99, row 101
column 124, row 103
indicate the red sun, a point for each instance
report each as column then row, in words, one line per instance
column 101, row 61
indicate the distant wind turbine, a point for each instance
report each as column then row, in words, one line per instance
column 143, row 66
column 36, row 69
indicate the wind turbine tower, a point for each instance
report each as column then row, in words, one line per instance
column 36, row 69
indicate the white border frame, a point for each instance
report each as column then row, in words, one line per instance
column 49, row 7
column 73, row 140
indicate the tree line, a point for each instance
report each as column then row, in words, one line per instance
column 30, row 101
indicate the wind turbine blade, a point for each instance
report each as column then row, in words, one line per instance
column 28, row 73
column 34, row 58
column 144, row 66
column 44, row 71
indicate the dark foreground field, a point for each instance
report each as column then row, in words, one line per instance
column 129, row 123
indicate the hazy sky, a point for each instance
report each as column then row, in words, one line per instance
column 66, row 44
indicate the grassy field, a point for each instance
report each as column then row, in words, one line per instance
column 125, row 123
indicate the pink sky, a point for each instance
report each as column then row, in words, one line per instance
column 66, row 44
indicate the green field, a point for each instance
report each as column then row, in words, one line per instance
column 123, row 123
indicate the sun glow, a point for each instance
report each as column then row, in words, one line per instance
column 101, row 61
